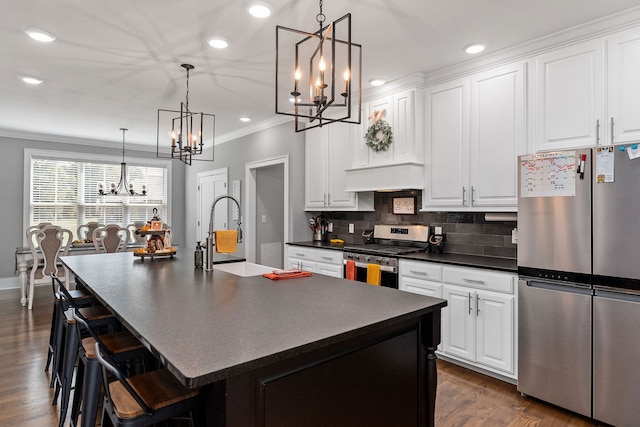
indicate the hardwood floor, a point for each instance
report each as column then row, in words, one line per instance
column 465, row 398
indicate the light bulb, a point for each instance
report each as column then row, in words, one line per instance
column 298, row 74
column 322, row 66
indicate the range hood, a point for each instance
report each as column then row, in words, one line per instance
column 398, row 176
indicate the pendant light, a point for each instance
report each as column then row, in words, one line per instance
column 123, row 188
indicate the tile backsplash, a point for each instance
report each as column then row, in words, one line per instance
column 466, row 232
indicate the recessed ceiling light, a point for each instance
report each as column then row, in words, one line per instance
column 376, row 82
column 474, row 48
column 31, row 80
column 218, row 43
column 245, row 119
column 259, row 9
column 40, row 35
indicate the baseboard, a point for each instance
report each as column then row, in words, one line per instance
column 477, row 369
column 9, row 283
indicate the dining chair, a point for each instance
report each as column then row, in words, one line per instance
column 110, row 238
column 145, row 399
column 136, row 238
column 47, row 243
column 85, row 231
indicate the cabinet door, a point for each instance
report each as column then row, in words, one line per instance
column 302, row 264
column 459, row 322
column 330, row 270
column 404, row 127
column 315, row 168
column 497, row 136
column 494, row 330
column 386, row 104
column 569, row 97
column 624, row 88
column 446, row 179
column 339, row 159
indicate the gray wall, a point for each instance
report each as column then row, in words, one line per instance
column 267, row 144
column 12, row 185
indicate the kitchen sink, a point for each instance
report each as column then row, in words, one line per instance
column 244, row 268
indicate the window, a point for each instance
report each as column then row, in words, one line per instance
column 62, row 190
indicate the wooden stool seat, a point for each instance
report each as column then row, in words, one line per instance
column 157, row 389
column 115, row 342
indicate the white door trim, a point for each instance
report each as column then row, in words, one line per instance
column 250, row 203
column 203, row 222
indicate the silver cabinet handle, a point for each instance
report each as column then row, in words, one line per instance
column 473, row 190
column 612, row 130
column 421, row 273
column 464, row 194
column 324, row 199
column 469, row 302
column 481, row 282
column 328, row 258
column 597, row 131
column 477, row 305
column 300, row 255
column 328, row 199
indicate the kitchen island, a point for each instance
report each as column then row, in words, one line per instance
column 307, row 351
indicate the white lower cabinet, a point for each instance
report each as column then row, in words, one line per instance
column 322, row 261
column 479, row 322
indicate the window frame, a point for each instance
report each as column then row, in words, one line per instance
column 31, row 153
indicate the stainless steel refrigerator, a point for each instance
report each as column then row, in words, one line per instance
column 579, row 287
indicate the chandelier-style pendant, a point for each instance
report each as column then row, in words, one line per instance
column 186, row 137
column 123, row 188
column 330, row 63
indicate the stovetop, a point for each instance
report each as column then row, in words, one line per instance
column 382, row 249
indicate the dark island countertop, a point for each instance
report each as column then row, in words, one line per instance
column 207, row 326
column 463, row 260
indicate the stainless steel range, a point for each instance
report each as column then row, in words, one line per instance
column 389, row 241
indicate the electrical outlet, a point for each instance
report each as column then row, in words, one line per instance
column 330, row 227
column 438, row 230
column 514, row 236
column 264, row 218
column 352, row 228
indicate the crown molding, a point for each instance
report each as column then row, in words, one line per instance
column 253, row 128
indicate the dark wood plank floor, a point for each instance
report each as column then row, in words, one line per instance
column 465, row 398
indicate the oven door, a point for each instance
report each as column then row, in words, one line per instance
column 389, row 275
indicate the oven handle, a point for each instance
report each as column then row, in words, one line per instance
column 385, row 268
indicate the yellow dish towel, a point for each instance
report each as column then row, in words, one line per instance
column 226, row 241
column 373, row 274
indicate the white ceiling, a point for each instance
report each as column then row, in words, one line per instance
column 114, row 63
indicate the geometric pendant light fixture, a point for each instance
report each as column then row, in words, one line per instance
column 319, row 74
column 186, row 134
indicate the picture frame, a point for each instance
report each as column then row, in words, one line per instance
column 404, row 206
column 156, row 225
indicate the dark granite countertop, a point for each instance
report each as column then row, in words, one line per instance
column 463, row 260
column 206, row 326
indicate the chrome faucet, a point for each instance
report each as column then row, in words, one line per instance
column 210, row 239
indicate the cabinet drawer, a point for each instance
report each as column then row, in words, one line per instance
column 421, row 270
column 481, row 279
column 329, row 256
column 302, row 253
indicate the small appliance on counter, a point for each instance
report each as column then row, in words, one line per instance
column 436, row 241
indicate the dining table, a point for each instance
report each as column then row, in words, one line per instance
column 24, row 259
column 311, row 351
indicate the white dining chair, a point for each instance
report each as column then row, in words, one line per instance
column 110, row 238
column 48, row 243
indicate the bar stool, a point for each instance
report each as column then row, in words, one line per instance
column 98, row 316
column 145, row 399
column 122, row 346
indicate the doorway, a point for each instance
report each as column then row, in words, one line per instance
column 211, row 185
column 267, row 202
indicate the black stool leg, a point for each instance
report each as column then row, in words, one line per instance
column 70, row 356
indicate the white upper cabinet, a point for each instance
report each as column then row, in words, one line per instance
column 497, row 136
column 568, row 97
column 447, row 145
column 475, row 130
column 383, row 104
column 327, row 155
column 624, row 88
